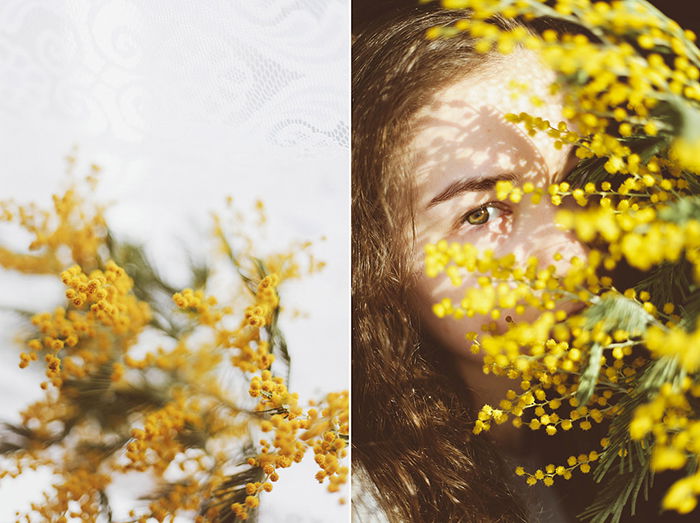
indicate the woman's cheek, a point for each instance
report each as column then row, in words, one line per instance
column 449, row 332
column 492, row 236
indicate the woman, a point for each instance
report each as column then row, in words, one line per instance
column 430, row 142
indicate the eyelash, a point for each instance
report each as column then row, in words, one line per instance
column 499, row 205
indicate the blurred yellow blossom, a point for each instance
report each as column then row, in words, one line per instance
column 116, row 404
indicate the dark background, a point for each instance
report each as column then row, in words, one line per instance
column 685, row 12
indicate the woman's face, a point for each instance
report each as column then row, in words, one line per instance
column 462, row 147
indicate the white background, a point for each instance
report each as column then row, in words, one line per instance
column 183, row 103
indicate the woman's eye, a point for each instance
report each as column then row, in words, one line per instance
column 481, row 215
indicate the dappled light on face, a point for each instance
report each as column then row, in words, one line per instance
column 460, row 139
column 464, row 148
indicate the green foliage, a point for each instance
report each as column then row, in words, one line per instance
column 624, row 468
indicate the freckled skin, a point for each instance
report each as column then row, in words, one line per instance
column 462, row 134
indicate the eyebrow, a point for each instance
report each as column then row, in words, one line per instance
column 481, row 184
column 487, row 183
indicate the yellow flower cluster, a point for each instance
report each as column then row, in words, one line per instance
column 330, row 448
column 639, row 236
column 677, row 343
column 675, row 428
column 635, row 61
column 505, row 284
column 156, row 445
column 685, row 152
column 196, row 303
column 85, row 339
column 630, row 86
column 137, row 387
column 324, row 428
column 549, row 355
column 78, row 496
column 546, row 476
column 107, row 293
column 70, row 230
column 254, row 352
column 295, row 429
column 186, row 496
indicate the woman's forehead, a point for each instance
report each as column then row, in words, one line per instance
column 509, row 83
column 463, row 130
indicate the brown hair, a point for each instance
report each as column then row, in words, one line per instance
column 410, row 432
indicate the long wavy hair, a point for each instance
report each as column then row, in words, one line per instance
column 410, row 435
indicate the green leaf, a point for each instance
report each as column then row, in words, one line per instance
column 621, row 488
column 615, row 312
column 589, row 377
column 681, row 114
column 619, row 493
column 681, row 211
column 232, row 490
column 618, row 312
column 669, row 282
